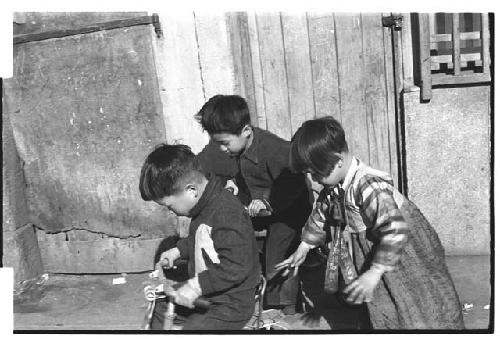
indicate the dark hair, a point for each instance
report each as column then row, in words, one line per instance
column 316, row 146
column 166, row 169
column 224, row 114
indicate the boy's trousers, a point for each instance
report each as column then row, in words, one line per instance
column 281, row 241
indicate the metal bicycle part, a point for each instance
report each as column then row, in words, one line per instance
column 153, row 293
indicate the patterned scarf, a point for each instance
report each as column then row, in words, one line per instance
column 339, row 256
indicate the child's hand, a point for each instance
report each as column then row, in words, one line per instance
column 231, row 186
column 186, row 295
column 361, row 290
column 168, row 257
column 255, row 206
column 159, row 268
column 295, row 260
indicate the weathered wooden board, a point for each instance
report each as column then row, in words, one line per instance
column 88, row 113
column 109, row 255
column 375, row 91
column 272, row 57
column 324, row 64
column 242, row 59
column 98, row 27
column 298, row 69
column 253, row 36
column 322, row 67
column 179, row 77
column 214, row 52
column 38, row 22
column 352, row 89
column 391, row 108
column 407, row 48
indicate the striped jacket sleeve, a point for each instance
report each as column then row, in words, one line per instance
column 374, row 196
column 314, row 232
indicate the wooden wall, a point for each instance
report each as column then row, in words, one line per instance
column 290, row 68
column 193, row 62
column 297, row 67
column 87, row 109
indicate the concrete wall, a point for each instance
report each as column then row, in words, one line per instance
column 19, row 246
column 448, row 156
column 85, row 111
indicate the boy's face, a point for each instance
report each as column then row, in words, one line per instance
column 233, row 144
column 182, row 202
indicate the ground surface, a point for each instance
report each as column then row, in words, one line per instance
column 93, row 302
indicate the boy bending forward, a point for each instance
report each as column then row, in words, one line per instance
column 263, row 181
column 220, row 248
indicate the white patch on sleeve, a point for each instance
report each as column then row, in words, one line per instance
column 203, row 240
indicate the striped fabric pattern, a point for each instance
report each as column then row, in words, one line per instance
column 375, row 197
column 385, row 228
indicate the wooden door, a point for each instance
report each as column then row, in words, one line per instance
column 292, row 68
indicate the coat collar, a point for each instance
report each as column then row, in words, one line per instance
column 210, row 193
column 353, row 168
column 252, row 152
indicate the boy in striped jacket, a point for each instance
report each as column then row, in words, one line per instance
column 383, row 254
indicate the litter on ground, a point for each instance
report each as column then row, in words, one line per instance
column 467, row 307
column 119, row 281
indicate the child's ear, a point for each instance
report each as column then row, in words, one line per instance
column 246, row 130
column 192, row 189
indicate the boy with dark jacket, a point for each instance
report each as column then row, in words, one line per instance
column 220, row 248
column 263, row 181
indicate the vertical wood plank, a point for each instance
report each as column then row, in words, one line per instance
column 485, row 37
column 399, row 110
column 425, row 57
column 392, row 105
column 375, row 91
column 214, row 52
column 180, row 80
column 407, row 49
column 298, row 69
column 350, row 68
column 456, row 43
column 242, row 60
column 253, row 36
column 274, row 74
column 324, row 64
